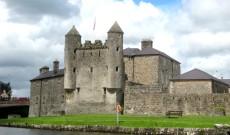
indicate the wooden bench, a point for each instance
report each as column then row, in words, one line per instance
column 178, row 113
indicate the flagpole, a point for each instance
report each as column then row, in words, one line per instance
column 94, row 26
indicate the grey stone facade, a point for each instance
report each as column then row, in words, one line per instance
column 150, row 66
column 197, row 81
column 47, row 96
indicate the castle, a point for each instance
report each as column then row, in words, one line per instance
column 97, row 76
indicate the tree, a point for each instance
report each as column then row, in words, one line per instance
column 7, row 88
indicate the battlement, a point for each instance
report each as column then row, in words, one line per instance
column 89, row 45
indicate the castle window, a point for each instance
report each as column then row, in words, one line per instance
column 104, row 90
column 83, row 54
column 36, row 100
column 91, row 54
column 59, row 81
column 78, row 89
column 75, row 50
column 117, row 68
column 106, row 67
column 117, row 48
column 91, row 69
column 62, row 99
column 74, row 70
column 44, row 100
column 99, row 54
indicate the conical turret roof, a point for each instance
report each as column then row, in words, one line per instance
column 115, row 28
column 73, row 31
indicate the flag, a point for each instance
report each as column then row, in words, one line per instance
column 94, row 24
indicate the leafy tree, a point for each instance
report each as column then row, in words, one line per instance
column 7, row 88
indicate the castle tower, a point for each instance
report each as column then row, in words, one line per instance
column 115, row 57
column 72, row 40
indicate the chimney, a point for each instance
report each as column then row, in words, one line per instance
column 55, row 66
column 44, row 69
column 146, row 43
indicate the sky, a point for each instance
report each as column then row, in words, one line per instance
column 32, row 32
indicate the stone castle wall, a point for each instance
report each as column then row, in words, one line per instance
column 47, row 97
column 191, row 86
column 197, row 86
column 146, row 100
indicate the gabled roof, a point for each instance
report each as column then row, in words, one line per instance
column 73, row 31
column 49, row 74
column 115, row 28
column 196, row 74
column 145, row 52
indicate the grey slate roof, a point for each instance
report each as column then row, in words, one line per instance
column 196, row 74
column 115, row 28
column 144, row 52
column 73, row 31
column 226, row 81
column 49, row 74
column 130, row 51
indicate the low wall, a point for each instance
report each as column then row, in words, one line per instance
column 144, row 100
column 125, row 130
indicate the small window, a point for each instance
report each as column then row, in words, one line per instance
column 44, row 98
column 91, row 54
column 74, row 70
column 36, row 100
column 117, row 69
column 83, row 54
column 104, row 90
column 117, row 48
column 75, row 50
column 59, row 81
column 91, row 69
column 78, row 89
column 99, row 54
column 62, row 99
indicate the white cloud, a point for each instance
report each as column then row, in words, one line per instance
column 196, row 33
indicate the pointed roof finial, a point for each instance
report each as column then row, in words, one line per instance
column 73, row 31
column 115, row 28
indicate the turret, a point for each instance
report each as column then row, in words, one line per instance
column 115, row 57
column 72, row 41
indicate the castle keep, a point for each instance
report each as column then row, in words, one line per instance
column 97, row 76
column 94, row 73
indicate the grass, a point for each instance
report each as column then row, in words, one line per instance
column 187, row 121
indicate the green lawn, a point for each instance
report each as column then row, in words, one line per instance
column 188, row 121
